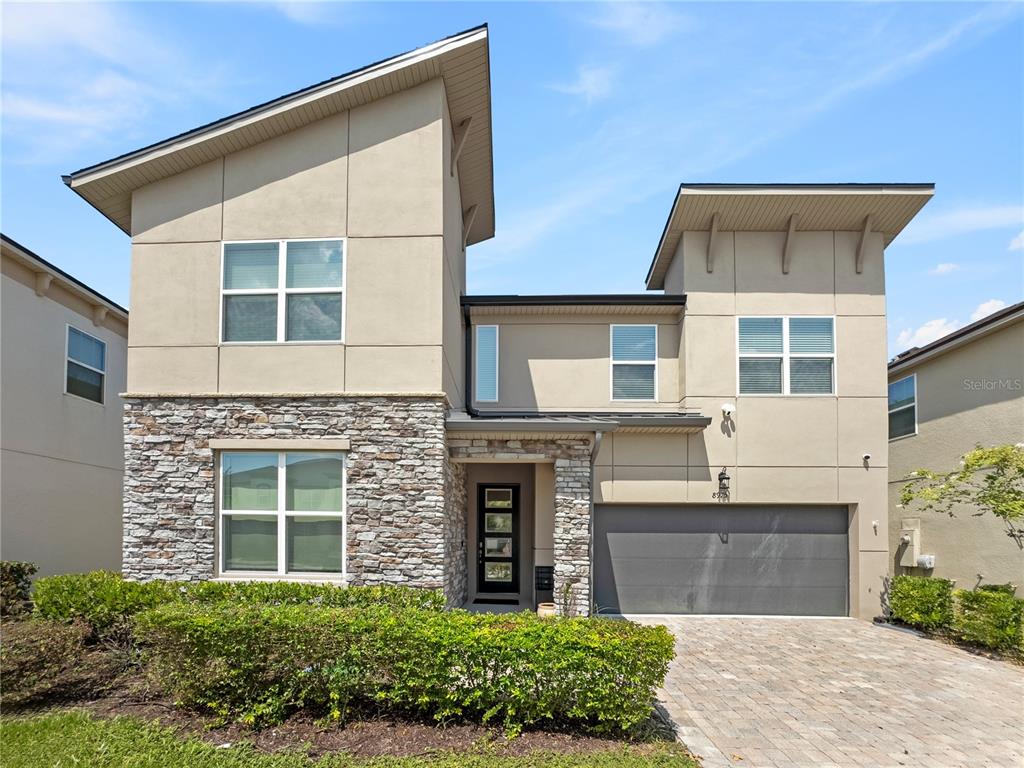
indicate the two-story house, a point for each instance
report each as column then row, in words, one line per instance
column 312, row 394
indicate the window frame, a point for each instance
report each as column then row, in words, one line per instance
column 67, row 359
column 282, row 291
column 613, row 363
column 497, row 363
column 891, row 411
column 785, row 355
column 281, row 516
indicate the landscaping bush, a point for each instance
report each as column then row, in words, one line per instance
column 922, row 602
column 15, row 585
column 1006, row 589
column 107, row 602
column 989, row 618
column 259, row 663
column 44, row 660
column 103, row 600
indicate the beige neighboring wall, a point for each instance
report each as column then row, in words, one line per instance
column 454, row 275
column 970, row 395
column 63, row 464
column 376, row 176
column 778, row 449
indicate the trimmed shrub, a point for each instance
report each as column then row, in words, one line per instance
column 922, row 602
column 1006, row 589
column 15, row 585
column 260, row 663
column 296, row 593
column 989, row 618
column 102, row 599
column 47, row 661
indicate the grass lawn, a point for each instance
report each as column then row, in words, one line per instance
column 66, row 739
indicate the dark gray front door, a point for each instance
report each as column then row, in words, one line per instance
column 724, row 559
column 498, row 538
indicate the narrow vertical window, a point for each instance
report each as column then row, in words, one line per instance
column 487, row 363
column 634, row 361
column 85, row 366
column 761, row 353
column 903, row 407
column 811, row 355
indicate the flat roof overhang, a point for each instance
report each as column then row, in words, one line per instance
column 561, row 304
column 462, row 60
column 884, row 208
column 551, row 424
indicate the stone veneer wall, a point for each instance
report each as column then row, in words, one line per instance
column 396, row 478
column 572, row 504
column 456, row 579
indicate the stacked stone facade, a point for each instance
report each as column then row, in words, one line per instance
column 396, row 481
column 456, row 579
column 572, row 459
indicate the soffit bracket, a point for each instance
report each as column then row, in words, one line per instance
column 99, row 314
column 712, row 237
column 461, row 134
column 787, row 249
column 43, row 280
column 467, row 223
column 862, row 246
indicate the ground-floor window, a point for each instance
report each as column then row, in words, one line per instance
column 282, row 513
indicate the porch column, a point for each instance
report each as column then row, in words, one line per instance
column 572, row 531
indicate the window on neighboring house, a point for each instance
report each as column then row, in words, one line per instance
column 786, row 355
column 283, row 291
column 634, row 362
column 903, row 407
column 85, row 367
column 487, row 363
column 282, row 513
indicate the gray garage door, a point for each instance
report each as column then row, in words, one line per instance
column 721, row 559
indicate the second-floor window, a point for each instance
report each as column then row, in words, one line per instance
column 283, row 291
column 85, row 367
column 786, row 355
column 903, row 407
column 487, row 363
column 634, row 361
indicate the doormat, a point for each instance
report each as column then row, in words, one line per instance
column 495, row 601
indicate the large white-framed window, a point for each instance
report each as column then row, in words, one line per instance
column 903, row 407
column 283, row 291
column 85, row 365
column 786, row 355
column 282, row 513
column 634, row 362
column 486, row 357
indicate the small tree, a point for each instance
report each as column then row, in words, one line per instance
column 990, row 479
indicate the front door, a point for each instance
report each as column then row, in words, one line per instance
column 498, row 538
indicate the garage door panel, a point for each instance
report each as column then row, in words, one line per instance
column 721, row 559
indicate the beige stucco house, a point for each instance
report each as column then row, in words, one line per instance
column 963, row 390
column 63, row 349
column 313, row 395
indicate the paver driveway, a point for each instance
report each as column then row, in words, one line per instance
column 837, row 692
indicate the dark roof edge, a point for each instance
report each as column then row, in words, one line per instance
column 881, row 185
column 70, row 278
column 571, row 421
column 978, row 325
column 68, row 178
column 589, row 299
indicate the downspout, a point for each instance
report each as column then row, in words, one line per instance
column 468, row 375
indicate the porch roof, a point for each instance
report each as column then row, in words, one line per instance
column 570, row 423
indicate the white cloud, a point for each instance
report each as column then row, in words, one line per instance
column 591, row 83
column 303, row 12
column 1017, row 244
column 927, row 333
column 943, row 269
column 986, row 308
column 639, row 24
column 962, row 221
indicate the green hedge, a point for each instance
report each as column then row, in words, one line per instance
column 107, row 602
column 989, row 618
column 260, row 663
column 15, row 585
column 922, row 602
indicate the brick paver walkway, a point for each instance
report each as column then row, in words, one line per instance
column 837, row 692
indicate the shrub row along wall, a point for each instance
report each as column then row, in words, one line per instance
column 988, row 616
column 259, row 663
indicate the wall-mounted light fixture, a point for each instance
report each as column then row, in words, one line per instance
column 723, row 486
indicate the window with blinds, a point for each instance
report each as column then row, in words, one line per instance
column 634, row 362
column 487, row 363
column 903, row 407
column 779, row 355
column 85, row 365
column 283, row 290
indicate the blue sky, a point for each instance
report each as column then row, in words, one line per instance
column 600, row 111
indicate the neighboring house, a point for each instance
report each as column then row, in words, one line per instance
column 63, row 367
column 946, row 398
column 312, row 394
